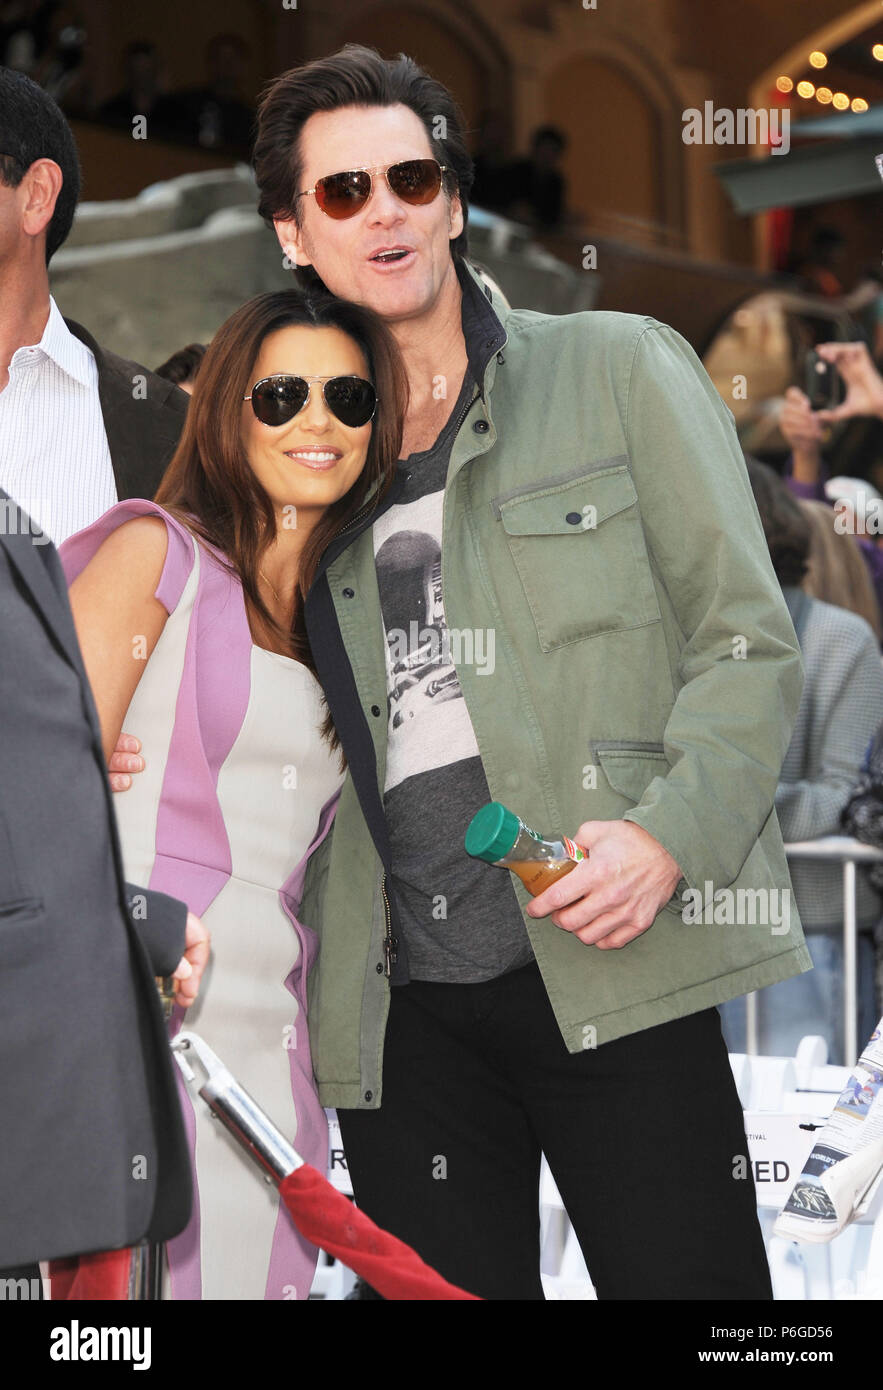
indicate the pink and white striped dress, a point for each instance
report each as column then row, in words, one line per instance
column 237, row 791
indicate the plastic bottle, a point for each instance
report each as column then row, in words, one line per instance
column 498, row 836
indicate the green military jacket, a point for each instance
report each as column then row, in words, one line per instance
column 600, row 531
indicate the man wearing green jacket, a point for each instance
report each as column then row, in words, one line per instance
column 565, row 603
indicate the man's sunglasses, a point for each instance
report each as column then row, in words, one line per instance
column 415, row 181
column 277, row 399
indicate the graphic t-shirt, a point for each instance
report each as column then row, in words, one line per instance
column 459, row 916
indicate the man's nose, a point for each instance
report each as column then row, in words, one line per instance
column 384, row 207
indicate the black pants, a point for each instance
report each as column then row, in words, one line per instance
column 643, row 1136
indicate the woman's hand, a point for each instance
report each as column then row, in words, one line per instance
column 188, row 971
column 123, row 760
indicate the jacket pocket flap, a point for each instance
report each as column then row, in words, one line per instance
column 571, row 507
column 630, row 770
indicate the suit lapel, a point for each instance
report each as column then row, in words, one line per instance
column 119, row 439
column 141, row 431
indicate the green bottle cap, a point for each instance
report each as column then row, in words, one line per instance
column 492, row 832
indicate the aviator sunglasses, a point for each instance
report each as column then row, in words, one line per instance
column 277, row 399
column 415, row 181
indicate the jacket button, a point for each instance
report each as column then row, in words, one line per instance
column 574, row 518
column 375, row 710
column 349, row 593
column 369, row 1095
column 481, row 427
column 379, row 967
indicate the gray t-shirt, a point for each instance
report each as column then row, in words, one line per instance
column 459, row 916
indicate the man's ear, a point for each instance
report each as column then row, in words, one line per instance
column 291, row 241
column 40, row 188
column 456, row 216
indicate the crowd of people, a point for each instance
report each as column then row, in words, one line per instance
column 48, row 41
column 825, row 534
column 253, row 547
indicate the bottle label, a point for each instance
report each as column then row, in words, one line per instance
column 573, row 848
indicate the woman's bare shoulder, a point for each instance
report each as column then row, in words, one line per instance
column 134, row 553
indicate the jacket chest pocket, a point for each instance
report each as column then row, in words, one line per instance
column 579, row 550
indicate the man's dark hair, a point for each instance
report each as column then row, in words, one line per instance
column 183, row 365
column 787, row 530
column 32, row 127
column 354, row 76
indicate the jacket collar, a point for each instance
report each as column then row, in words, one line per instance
column 484, row 326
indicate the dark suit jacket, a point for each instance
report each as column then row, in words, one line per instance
column 93, row 1152
column 142, row 430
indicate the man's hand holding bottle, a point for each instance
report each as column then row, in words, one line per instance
column 606, row 886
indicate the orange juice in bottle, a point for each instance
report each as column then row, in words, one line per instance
column 498, row 836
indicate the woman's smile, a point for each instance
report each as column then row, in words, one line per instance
column 321, row 459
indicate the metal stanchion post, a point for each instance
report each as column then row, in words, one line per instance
column 847, row 852
column 850, row 967
column 752, row 1043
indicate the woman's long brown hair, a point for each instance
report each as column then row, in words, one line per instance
column 209, row 483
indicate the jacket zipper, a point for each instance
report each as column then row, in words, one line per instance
column 390, row 942
column 470, row 403
column 360, row 514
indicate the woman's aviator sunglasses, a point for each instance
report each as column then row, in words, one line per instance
column 415, row 181
column 277, row 399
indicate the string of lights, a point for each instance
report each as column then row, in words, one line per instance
column 840, row 101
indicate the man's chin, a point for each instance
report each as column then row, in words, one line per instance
column 398, row 301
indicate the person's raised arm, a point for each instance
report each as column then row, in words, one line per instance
column 118, row 618
column 803, row 431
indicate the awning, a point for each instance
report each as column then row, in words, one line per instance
column 841, row 167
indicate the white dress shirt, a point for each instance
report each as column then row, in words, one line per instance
column 54, row 455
